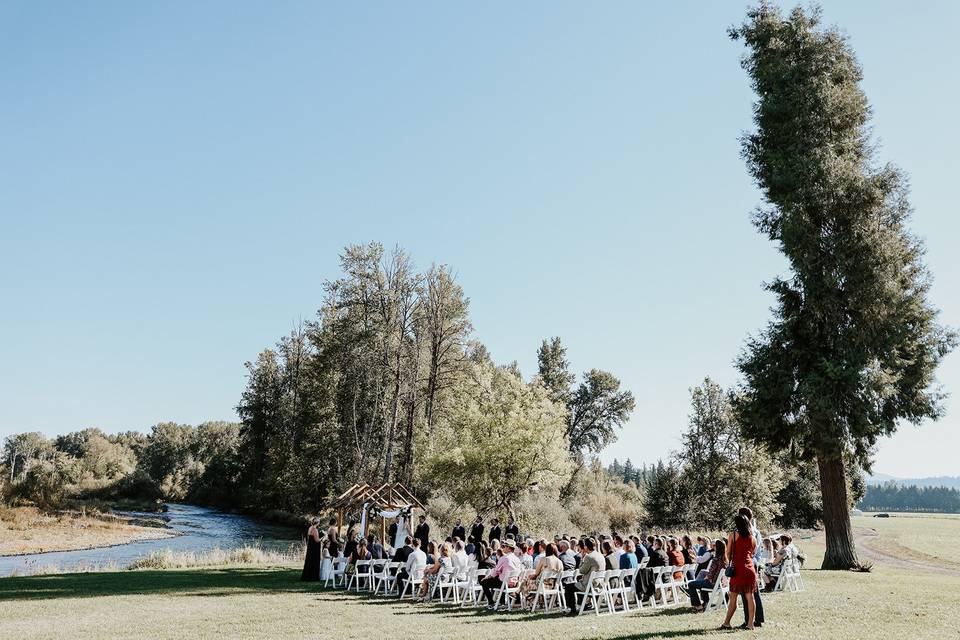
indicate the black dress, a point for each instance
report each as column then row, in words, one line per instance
column 311, row 564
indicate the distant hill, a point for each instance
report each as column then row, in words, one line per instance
column 936, row 481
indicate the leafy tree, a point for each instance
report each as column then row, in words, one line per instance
column 554, row 370
column 504, row 441
column 719, row 465
column 596, row 407
column 854, row 344
column 21, row 449
column 665, row 497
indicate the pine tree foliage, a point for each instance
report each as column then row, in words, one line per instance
column 854, row 342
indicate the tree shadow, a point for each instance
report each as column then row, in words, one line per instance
column 184, row 582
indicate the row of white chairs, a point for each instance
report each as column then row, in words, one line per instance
column 607, row 591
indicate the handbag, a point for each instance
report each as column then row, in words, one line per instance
column 731, row 570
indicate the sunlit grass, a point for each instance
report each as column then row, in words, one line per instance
column 254, row 601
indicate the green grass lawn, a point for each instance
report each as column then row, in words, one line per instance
column 250, row 601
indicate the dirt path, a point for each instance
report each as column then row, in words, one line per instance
column 909, row 559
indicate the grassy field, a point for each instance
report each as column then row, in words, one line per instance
column 28, row 530
column 929, row 537
column 270, row 602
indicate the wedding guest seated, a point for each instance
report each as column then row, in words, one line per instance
column 471, row 546
column 376, row 549
column 714, row 572
column 537, row 554
column 606, row 549
column 657, row 558
column 431, row 552
column 768, row 553
column 416, row 562
column 360, row 553
column 432, row 573
column 676, row 557
column 617, row 551
column 590, row 562
column 482, row 556
column 787, row 551
column 525, row 558
column 508, row 562
column 548, row 562
column 404, row 552
column 639, row 549
column 567, row 557
column 628, row 559
column 704, row 555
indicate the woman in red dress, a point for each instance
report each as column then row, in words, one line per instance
column 740, row 548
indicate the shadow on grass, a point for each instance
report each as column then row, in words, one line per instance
column 185, row 582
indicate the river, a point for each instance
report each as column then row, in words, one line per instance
column 200, row 529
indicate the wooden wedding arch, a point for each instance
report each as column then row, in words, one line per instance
column 390, row 496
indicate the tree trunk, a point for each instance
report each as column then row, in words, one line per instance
column 841, row 552
column 394, row 415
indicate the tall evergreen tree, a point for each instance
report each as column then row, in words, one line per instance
column 854, row 344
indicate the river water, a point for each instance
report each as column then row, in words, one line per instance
column 201, row 529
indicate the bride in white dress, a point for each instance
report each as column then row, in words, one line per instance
column 403, row 530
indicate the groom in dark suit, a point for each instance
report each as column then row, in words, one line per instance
column 459, row 531
column 476, row 531
column 495, row 532
column 423, row 533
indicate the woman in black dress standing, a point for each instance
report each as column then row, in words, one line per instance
column 311, row 564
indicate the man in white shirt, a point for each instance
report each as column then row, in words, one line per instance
column 416, row 563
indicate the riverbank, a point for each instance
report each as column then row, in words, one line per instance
column 27, row 530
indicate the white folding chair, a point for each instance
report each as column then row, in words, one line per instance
column 445, row 584
column 470, row 589
column 388, row 578
column 360, row 579
column 506, row 592
column 596, row 592
column 718, row 595
column 629, row 578
column 665, row 586
column 620, row 586
column 548, row 596
column 338, row 573
column 463, row 582
column 412, row 583
column 376, row 574
column 789, row 578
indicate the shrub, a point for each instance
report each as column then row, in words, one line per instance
column 442, row 514
column 247, row 554
column 543, row 516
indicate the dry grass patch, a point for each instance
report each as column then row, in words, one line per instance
column 29, row 530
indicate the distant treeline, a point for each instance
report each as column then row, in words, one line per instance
column 173, row 462
column 892, row 496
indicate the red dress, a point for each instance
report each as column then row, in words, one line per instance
column 744, row 578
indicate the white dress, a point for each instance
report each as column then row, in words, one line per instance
column 402, row 533
column 326, row 565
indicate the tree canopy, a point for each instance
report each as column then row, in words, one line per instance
column 854, row 342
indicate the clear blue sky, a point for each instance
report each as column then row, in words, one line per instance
column 178, row 178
